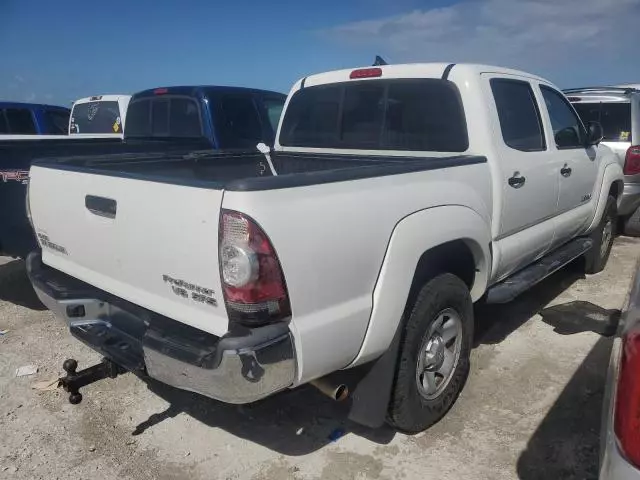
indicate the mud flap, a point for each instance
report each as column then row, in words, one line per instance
column 370, row 398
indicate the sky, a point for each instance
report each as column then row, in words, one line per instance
column 55, row 52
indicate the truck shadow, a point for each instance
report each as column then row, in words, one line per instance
column 15, row 286
column 566, row 444
column 301, row 421
column 495, row 322
column 292, row 423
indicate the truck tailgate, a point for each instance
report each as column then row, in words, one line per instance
column 153, row 244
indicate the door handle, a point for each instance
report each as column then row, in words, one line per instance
column 565, row 171
column 517, row 180
column 101, row 206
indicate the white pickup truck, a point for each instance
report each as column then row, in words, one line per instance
column 394, row 198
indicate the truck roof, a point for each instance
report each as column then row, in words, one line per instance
column 606, row 93
column 194, row 90
column 103, row 98
column 30, row 105
column 410, row 70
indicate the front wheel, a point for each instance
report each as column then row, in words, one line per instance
column 603, row 236
column 434, row 354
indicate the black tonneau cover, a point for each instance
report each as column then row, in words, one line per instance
column 249, row 171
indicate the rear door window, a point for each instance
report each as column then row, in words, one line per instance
column 96, row 117
column 615, row 118
column 20, row 121
column 518, row 113
column 403, row 114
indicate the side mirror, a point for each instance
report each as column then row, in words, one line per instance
column 594, row 133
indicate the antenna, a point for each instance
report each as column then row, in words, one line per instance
column 379, row 61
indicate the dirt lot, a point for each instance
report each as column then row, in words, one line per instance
column 531, row 407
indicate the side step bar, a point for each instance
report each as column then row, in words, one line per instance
column 511, row 287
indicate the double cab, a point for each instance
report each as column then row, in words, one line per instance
column 394, row 198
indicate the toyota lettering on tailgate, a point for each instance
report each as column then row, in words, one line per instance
column 21, row 176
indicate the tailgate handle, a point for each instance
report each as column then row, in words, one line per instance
column 104, row 207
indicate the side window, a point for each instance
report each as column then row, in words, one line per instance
column 20, row 121
column 518, row 113
column 568, row 130
column 239, row 126
column 4, row 126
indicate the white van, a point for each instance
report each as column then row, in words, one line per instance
column 99, row 116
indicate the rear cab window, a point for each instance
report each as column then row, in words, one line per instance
column 164, row 116
column 57, row 121
column 96, row 117
column 19, row 121
column 394, row 114
column 615, row 118
column 237, row 121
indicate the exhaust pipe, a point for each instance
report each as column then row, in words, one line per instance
column 335, row 391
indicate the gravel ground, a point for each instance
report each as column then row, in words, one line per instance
column 530, row 409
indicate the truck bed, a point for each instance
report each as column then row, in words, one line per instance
column 247, row 171
column 16, row 157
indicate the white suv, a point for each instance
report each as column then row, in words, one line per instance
column 99, row 116
column 617, row 109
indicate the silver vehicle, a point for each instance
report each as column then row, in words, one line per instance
column 620, row 440
column 617, row 109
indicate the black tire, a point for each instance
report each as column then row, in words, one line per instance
column 596, row 258
column 409, row 410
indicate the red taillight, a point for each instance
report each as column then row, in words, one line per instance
column 252, row 280
column 632, row 160
column 366, row 73
column 627, row 410
column 160, row 91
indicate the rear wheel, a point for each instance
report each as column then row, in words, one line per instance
column 434, row 354
column 603, row 236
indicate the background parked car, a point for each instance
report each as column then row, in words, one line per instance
column 27, row 119
column 99, row 116
column 620, row 444
column 180, row 120
column 617, row 109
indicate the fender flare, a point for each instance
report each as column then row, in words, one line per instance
column 612, row 173
column 411, row 238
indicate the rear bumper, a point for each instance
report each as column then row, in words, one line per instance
column 240, row 367
column 630, row 200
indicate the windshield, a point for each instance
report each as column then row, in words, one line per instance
column 414, row 114
column 96, row 117
column 615, row 118
column 164, row 116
